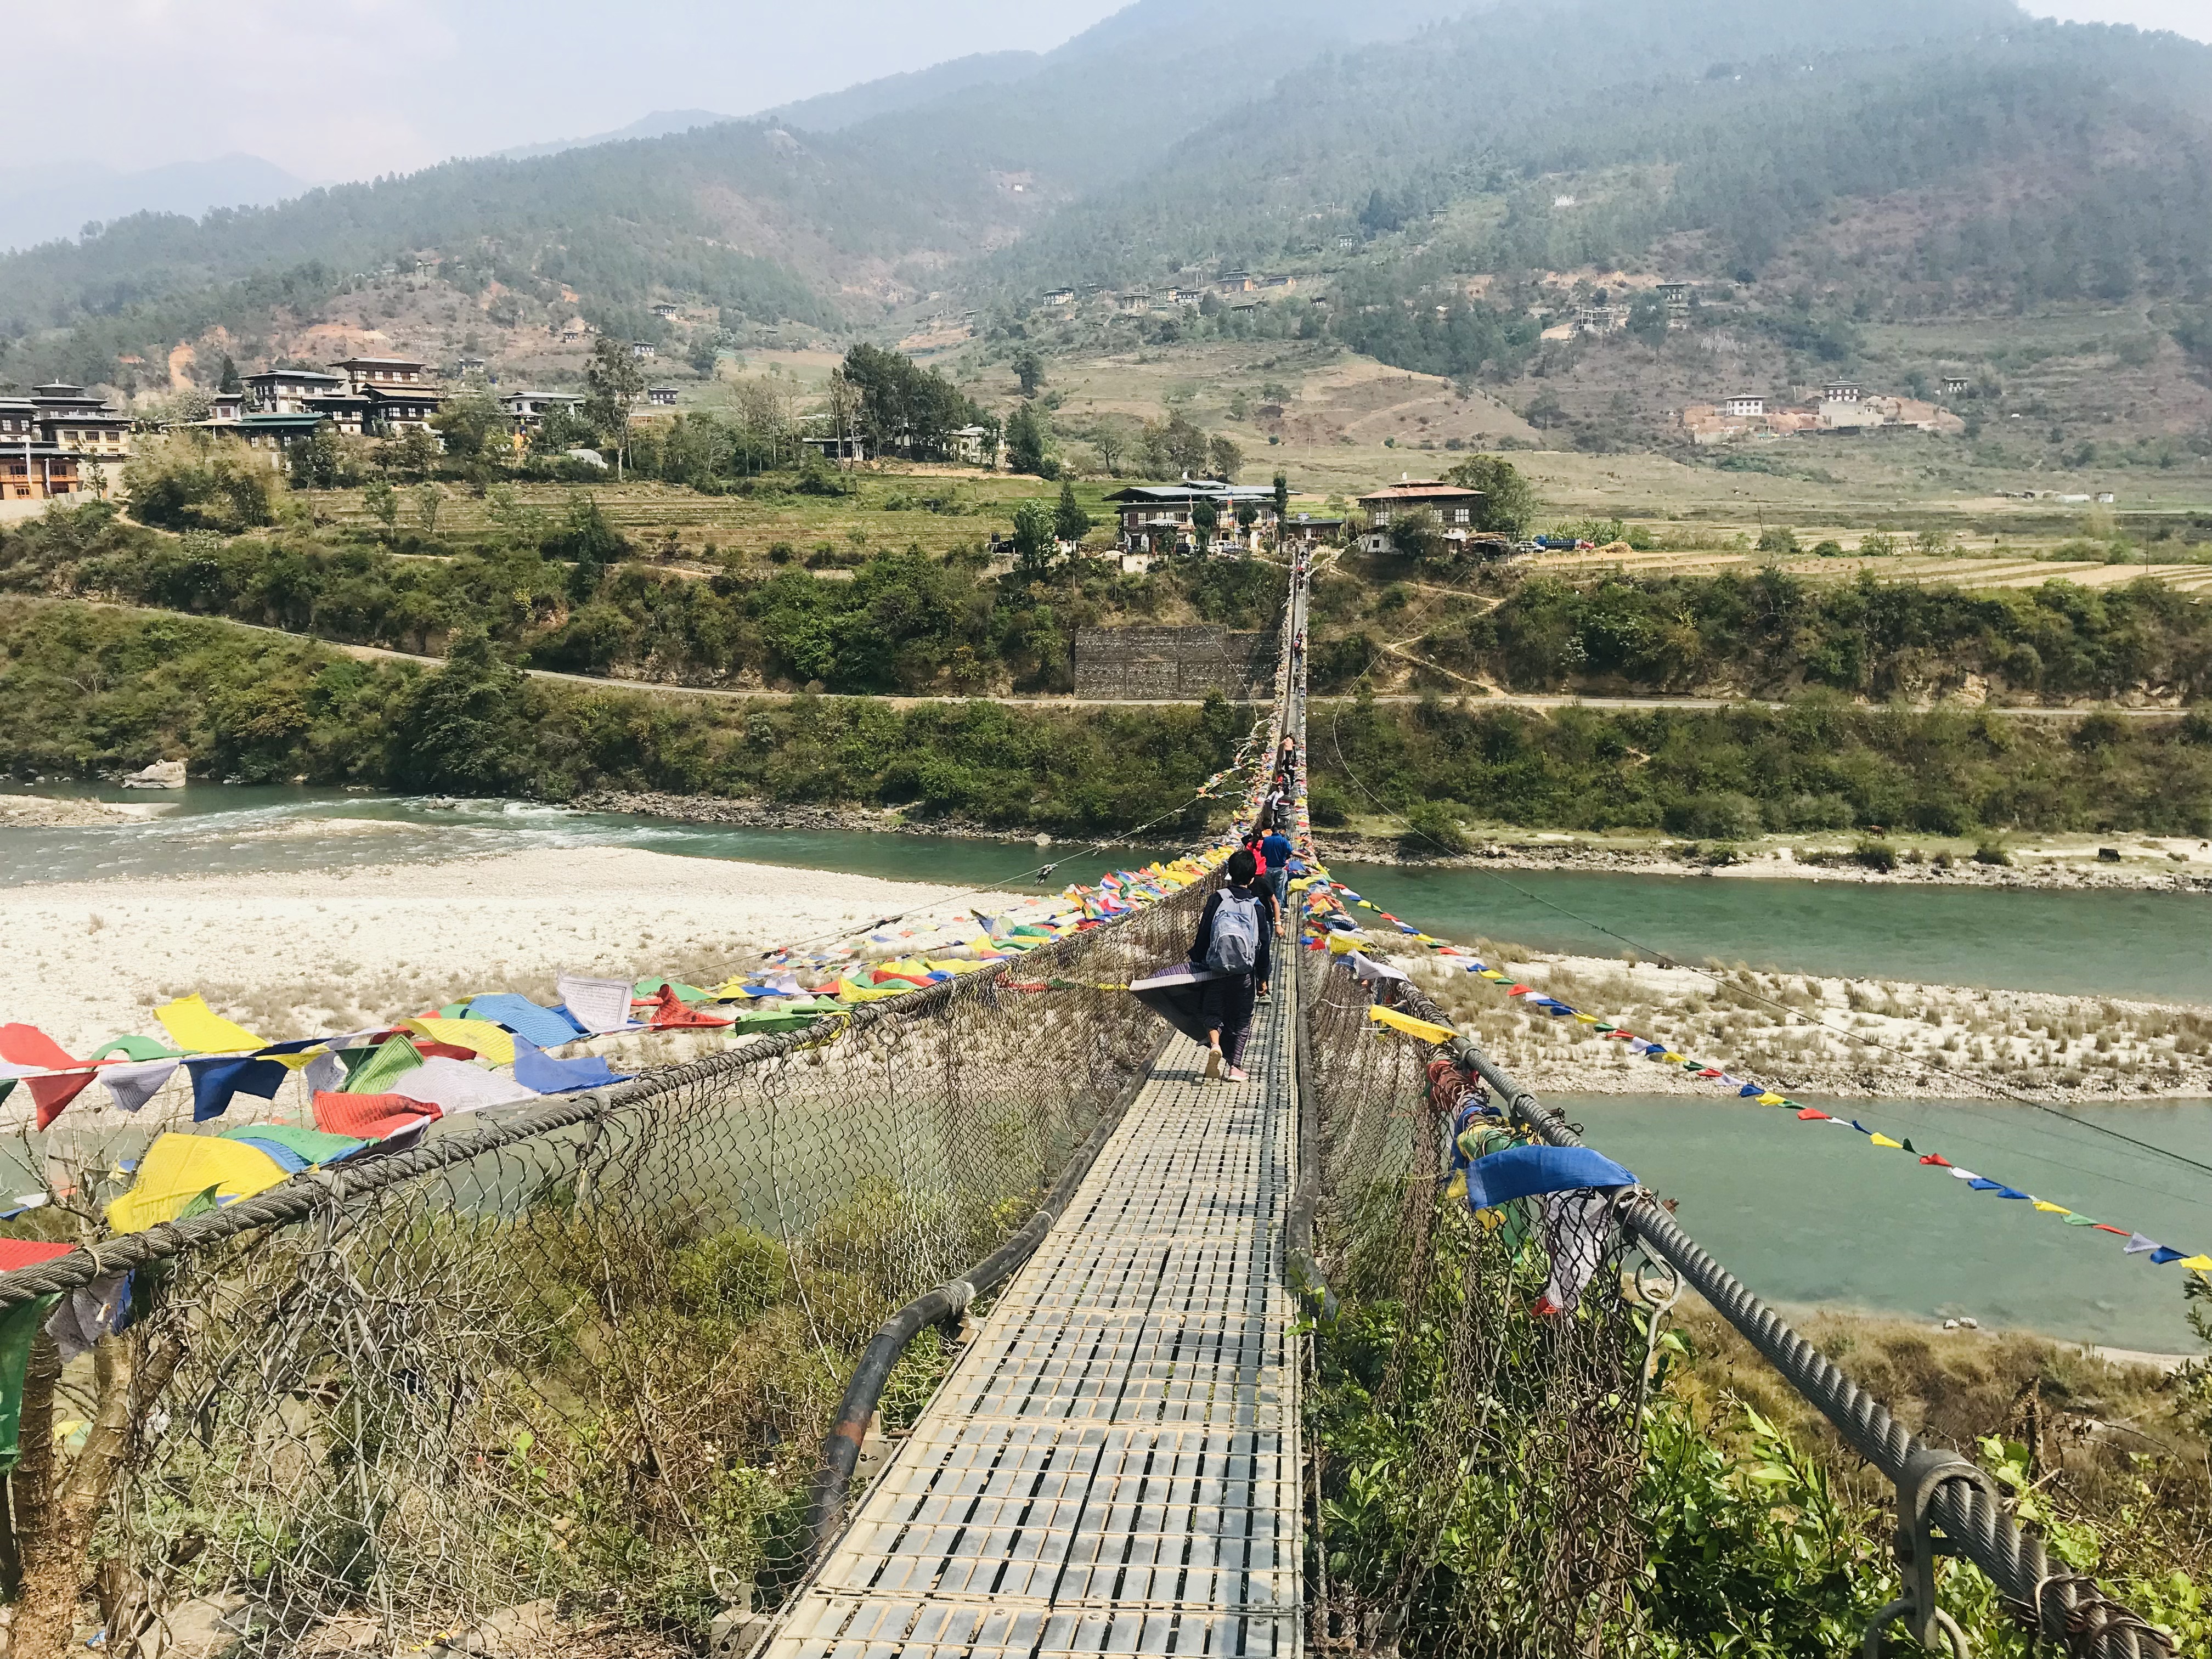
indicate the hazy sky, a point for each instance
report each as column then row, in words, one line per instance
column 349, row 88
column 333, row 89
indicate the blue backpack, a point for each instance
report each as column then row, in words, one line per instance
column 1235, row 946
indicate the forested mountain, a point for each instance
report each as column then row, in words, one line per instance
column 1878, row 157
column 1750, row 120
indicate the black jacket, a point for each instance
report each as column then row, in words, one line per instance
column 1263, row 964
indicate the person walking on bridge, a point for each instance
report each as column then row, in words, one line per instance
column 1232, row 944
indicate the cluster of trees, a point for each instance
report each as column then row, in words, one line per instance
column 569, row 596
column 1169, row 447
column 1771, row 633
column 85, row 692
column 1818, row 763
column 901, row 407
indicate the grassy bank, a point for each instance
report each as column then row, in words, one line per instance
column 1763, row 632
column 1722, row 775
column 85, row 692
column 574, row 594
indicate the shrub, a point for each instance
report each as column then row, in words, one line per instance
column 1433, row 827
column 1875, row 856
column 1712, row 817
column 197, row 483
column 1992, row 852
column 1828, row 550
column 1778, row 539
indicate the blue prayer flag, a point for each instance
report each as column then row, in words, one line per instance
column 1525, row 1171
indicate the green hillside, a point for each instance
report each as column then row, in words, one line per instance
column 1425, row 168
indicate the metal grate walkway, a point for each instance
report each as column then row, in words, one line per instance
column 1113, row 1467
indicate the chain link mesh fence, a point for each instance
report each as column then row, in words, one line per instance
column 1470, row 1494
column 592, row 1365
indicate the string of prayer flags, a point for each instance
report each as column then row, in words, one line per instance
column 1342, row 937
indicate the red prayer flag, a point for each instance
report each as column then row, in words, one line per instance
column 1813, row 1114
column 27, row 1045
column 2121, row 1232
column 1938, row 1160
column 22, row 1252
column 369, row 1117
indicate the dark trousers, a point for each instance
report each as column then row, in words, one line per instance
column 1226, row 1006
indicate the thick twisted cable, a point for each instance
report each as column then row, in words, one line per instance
column 2062, row 1606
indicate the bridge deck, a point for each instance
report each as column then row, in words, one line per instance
column 1113, row 1467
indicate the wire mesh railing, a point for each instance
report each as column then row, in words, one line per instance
column 1497, row 1364
column 1478, row 1459
column 586, row 1353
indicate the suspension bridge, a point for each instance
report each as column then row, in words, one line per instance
column 1051, row 1292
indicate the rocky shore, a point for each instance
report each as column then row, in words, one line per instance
column 1818, row 1034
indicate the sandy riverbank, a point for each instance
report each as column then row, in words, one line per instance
column 1811, row 1034
column 289, row 954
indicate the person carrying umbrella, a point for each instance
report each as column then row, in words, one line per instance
column 1232, row 945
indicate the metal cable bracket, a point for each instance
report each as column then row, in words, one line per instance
column 1927, row 1468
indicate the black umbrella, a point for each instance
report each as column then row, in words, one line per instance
column 1177, row 994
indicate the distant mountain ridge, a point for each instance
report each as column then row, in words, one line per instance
column 1403, row 145
column 660, row 124
column 55, row 199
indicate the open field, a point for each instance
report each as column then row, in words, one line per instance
column 935, row 508
column 1350, row 423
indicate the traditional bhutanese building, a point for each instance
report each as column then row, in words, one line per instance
column 59, row 441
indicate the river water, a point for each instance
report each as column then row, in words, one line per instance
column 1804, row 1214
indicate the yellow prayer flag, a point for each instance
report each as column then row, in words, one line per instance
column 1412, row 1027
column 1343, row 944
column 848, row 992
column 1673, row 1058
column 2201, row 1263
column 177, row 1169
column 1770, row 1098
column 1884, row 1141
column 479, row 1037
column 1588, row 1019
column 1491, row 974
column 2048, row 1208
column 198, row 1029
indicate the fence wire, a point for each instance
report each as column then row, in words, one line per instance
column 593, row 1365
column 1473, row 1503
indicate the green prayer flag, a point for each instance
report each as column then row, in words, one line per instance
column 19, row 1325
column 134, row 1048
column 384, row 1065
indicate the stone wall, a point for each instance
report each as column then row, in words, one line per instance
column 1172, row 663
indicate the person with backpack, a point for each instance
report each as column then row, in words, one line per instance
column 1232, row 942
